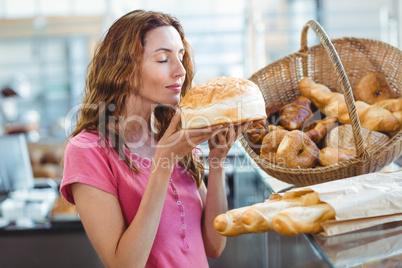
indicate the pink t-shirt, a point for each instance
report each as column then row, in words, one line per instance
column 178, row 242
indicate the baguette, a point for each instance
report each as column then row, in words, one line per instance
column 297, row 220
column 332, row 104
column 258, row 217
column 230, row 223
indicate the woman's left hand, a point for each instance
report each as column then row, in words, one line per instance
column 220, row 144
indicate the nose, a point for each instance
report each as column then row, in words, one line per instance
column 179, row 70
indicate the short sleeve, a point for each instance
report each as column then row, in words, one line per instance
column 86, row 162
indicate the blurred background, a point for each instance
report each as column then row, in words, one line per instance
column 45, row 45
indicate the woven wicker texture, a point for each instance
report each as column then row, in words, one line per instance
column 338, row 64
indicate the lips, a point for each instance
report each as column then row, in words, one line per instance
column 175, row 87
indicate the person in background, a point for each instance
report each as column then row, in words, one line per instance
column 132, row 173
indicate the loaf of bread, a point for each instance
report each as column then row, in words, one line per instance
column 332, row 104
column 258, row 217
column 224, row 100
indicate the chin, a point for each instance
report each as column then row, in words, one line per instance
column 172, row 102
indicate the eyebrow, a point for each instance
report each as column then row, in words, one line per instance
column 167, row 49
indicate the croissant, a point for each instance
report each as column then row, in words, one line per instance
column 332, row 104
column 296, row 113
column 256, row 133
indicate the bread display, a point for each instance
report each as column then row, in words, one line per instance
column 46, row 159
column 220, row 101
column 374, row 87
column 314, row 129
column 290, row 214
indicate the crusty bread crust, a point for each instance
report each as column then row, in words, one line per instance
column 222, row 100
column 298, row 220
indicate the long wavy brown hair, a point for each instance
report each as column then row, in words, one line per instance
column 114, row 73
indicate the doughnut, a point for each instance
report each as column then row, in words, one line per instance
column 374, row 87
column 270, row 144
column 297, row 150
column 329, row 156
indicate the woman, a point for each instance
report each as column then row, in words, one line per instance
column 131, row 172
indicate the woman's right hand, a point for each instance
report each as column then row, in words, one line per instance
column 174, row 144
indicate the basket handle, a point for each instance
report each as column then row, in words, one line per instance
column 361, row 151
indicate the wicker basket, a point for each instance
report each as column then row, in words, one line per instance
column 338, row 64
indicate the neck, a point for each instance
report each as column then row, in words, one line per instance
column 137, row 118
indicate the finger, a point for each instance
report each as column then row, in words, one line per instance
column 174, row 123
column 232, row 135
